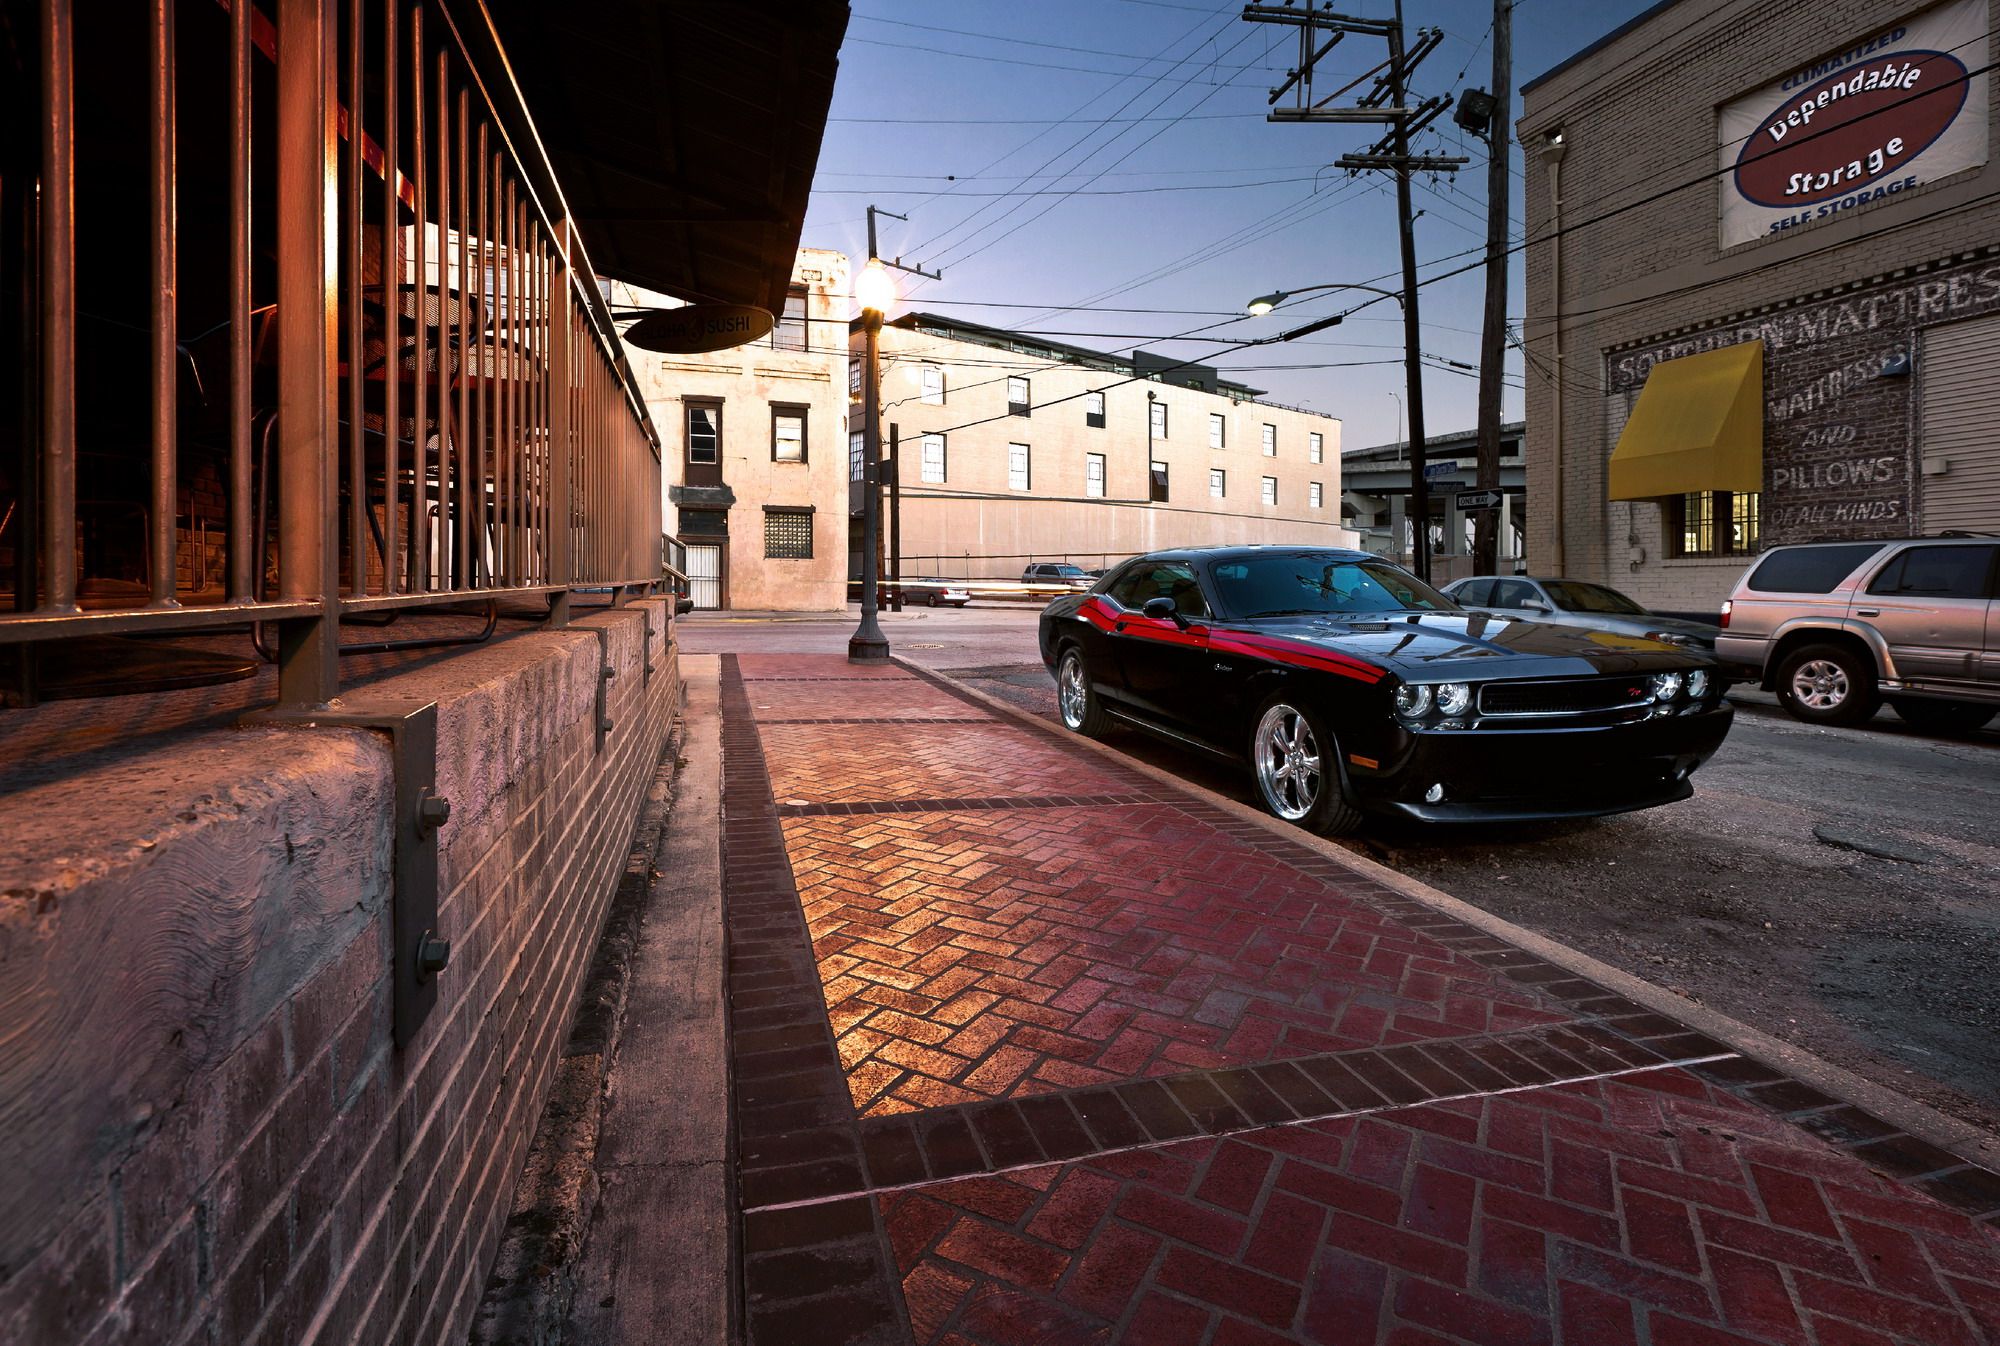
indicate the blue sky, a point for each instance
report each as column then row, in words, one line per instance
column 1201, row 203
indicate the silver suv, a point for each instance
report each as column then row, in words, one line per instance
column 1834, row 628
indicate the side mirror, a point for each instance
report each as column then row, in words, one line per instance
column 1163, row 609
column 1535, row 605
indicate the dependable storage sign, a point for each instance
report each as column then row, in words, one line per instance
column 1900, row 108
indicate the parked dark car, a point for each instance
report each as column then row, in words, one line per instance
column 1598, row 607
column 1352, row 688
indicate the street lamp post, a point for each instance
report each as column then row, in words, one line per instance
column 1420, row 491
column 875, row 291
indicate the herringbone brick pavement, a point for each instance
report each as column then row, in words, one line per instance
column 822, row 763
column 981, row 955
column 818, row 667
column 1646, row 1209
column 801, row 700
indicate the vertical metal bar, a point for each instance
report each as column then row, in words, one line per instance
column 482, row 520
column 309, row 654
column 165, row 315
column 420, row 308
column 245, row 552
column 559, row 425
column 544, row 442
column 58, row 299
column 446, row 291
column 515, row 481
column 350, row 204
column 466, row 445
column 392, row 304
column 503, row 448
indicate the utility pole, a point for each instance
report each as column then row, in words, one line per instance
column 1493, row 337
column 895, row 468
column 1387, row 101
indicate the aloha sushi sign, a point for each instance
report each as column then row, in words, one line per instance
column 1903, row 107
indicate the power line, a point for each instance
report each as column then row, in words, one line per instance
column 1022, row 42
column 1039, row 65
column 1026, row 194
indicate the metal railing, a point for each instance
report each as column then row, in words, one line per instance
column 415, row 395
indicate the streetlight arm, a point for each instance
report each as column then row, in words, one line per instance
column 1265, row 303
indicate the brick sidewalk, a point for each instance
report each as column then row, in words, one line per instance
column 1028, row 1047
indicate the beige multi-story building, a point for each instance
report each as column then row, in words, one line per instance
column 1763, row 297
column 753, row 448
column 1015, row 449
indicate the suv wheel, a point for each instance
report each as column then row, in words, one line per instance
column 1828, row 684
column 1942, row 717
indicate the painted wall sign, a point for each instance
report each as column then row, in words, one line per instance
column 699, row 328
column 1899, row 109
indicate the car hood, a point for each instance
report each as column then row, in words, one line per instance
column 1443, row 646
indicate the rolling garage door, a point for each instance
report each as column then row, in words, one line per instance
column 1961, row 427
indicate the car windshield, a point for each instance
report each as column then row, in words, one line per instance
column 1068, row 572
column 1576, row 596
column 1302, row 583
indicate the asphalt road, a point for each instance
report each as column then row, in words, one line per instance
column 1751, row 897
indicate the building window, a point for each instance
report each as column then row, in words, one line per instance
column 789, row 333
column 854, row 456
column 1270, row 441
column 1218, row 483
column 788, row 534
column 1315, row 447
column 1316, row 495
column 932, row 379
column 1216, row 430
column 1017, row 396
column 1093, row 410
column 704, row 432
column 934, row 459
column 854, row 380
column 1712, row 523
column 1093, row 475
column 1158, row 488
column 1270, row 490
column 788, row 434
column 1017, row 467
column 1158, row 412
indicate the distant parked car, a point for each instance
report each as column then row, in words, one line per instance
column 1836, row 628
column 1578, row 603
column 935, row 592
column 1057, row 573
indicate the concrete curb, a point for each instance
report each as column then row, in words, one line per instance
column 1968, row 1142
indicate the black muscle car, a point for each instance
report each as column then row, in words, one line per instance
column 1350, row 687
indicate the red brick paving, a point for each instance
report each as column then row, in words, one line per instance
column 975, row 955
column 1027, row 983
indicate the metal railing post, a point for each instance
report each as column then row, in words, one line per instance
column 58, row 315
column 308, row 266
column 561, row 327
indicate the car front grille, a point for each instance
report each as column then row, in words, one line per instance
column 1568, row 696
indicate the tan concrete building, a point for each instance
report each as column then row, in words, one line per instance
column 754, row 449
column 1763, row 288
column 1015, row 449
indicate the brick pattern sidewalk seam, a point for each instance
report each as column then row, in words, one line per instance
column 954, row 1193
column 959, row 805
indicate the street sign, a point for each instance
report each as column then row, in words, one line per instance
column 1468, row 500
column 1434, row 471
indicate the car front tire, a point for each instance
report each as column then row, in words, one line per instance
column 1828, row 684
column 1942, row 717
column 1076, row 699
column 1296, row 762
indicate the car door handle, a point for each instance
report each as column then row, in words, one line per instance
column 1868, row 612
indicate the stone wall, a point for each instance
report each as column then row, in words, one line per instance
column 212, row 1135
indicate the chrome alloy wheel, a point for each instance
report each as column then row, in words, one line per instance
column 1073, row 690
column 1288, row 768
column 1820, row 684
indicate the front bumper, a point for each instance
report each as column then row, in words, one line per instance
column 1536, row 772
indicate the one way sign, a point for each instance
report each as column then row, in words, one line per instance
column 1470, row 500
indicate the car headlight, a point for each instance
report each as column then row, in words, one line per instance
column 1697, row 683
column 1453, row 698
column 1412, row 700
column 1667, row 686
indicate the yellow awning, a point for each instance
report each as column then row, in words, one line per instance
column 1699, row 426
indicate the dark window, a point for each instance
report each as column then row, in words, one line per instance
column 1712, row 523
column 1093, row 410
column 1280, row 584
column 1809, row 570
column 1157, row 491
column 704, row 432
column 1474, row 593
column 1512, row 594
column 1576, row 596
column 704, row 523
column 788, row 534
column 1017, row 396
column 1937, row 572
column 789, row 333
column 788, row 434
column 1143, row 582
